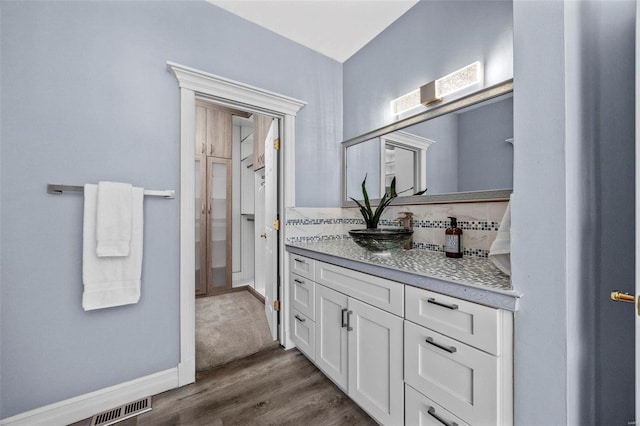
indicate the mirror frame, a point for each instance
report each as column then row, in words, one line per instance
column 455, row 105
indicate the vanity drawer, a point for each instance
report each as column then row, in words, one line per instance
column 384, row 294
column 462, row 379
column 420, row 410
column 303, row 333
column 468, row 322
column 302, row 266
column 303, row 295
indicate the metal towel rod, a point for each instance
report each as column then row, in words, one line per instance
column 59, row 189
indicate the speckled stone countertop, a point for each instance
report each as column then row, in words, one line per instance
column 469, row 278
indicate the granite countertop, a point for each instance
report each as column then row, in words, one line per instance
column 471, row 278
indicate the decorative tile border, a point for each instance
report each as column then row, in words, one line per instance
column 331, row 224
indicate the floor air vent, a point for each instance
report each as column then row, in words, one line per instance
column 122, row 412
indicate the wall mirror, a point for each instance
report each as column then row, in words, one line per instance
column 459, row 151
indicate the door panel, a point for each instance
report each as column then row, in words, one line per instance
column 219, row 224
column 201, row 227
column 271, row 240
column 375, row 362
column 331, row 334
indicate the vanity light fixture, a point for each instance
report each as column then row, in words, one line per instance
column 434, row 91
column 405, row 102
column 451, row 83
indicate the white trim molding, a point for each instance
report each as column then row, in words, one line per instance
column 85, row 406
column 194, row 83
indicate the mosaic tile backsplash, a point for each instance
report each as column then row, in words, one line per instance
column 478, row 221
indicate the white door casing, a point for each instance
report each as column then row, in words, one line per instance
column 193, row 82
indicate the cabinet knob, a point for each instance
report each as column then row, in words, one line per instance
column 264, row 235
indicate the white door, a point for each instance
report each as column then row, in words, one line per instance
column 375, row 362
column 331, row 334
column 271, row 240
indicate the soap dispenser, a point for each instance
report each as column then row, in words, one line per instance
column 453, row 239
column 406, row 222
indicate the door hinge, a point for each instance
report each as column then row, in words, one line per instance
column 276, row 305
column 276, row 143
column 276, row 225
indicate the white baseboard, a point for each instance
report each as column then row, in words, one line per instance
column 84, row 406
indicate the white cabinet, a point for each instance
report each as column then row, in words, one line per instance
column 360, row 348
column 460, row 378
column 458, row 355
column 420, row 410
column 375, row 362
column 303, row 293
column 405, row 355
column 303, row 333
column 331, row 334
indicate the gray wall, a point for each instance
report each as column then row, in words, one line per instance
column 574, row 175
column 485, row 159
column 86, row 97
column 431, row 40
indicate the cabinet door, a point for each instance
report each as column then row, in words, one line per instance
column 462, row 379
column 303, row 333
column 375, row 362
column 201, row 225
column 420, row 410
column 303, row 294
column 331, row 334
column 219, row 128
column 219, row 224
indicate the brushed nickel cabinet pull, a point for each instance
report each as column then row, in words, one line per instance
column 300, row 260
column 349, row 328
column 450, row 349
column 342, row 319
column 299, row 281
column 299, row 319
column 432, row 413
column 444, row 305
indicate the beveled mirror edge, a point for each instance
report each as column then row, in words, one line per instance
column 457, row 104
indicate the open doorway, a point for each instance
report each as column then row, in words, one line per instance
column 236, row 229
column 194, row 83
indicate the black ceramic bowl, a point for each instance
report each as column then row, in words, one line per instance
column 380, row 240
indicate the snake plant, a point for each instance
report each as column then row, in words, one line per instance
column 372, row 218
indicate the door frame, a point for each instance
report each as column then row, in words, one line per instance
column 194, row 83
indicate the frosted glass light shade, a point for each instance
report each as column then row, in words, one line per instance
column 405, row 102
column 458, row 80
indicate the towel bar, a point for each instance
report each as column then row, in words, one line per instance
column 59, row 189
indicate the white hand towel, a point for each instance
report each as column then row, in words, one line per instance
column 111, row 281
column 113, row 223
column 500, row 251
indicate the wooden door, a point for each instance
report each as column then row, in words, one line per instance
column 376, row 362
column 331, row 334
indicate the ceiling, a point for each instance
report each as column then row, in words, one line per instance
column 335, row 28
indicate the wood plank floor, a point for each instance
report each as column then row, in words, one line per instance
column 273, row 387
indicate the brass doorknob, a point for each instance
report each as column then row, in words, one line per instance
column 617, row 296
column 263, row 235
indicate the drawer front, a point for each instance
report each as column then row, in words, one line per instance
column 462, row 379
column 384, row 294
column 303, row 333
column 303, row 294
column 420, row 410
column 468, row 322
column 302, row 266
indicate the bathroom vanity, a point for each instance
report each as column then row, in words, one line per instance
column 413, row 338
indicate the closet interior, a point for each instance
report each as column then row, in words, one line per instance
column 230, row 199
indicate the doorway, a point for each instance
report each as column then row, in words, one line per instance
column 232, row 94
column 236, row 203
